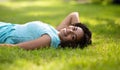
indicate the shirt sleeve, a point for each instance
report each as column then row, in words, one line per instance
column 55, row 41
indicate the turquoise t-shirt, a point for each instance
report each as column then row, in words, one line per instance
column 16, row 33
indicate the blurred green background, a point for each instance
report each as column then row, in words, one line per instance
column 101, row 16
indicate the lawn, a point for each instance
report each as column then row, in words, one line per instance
column 103, row 20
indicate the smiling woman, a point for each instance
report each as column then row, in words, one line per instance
column 71, row 33
column 36, row 34
column 80, row 36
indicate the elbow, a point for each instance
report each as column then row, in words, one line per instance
column 74, row 13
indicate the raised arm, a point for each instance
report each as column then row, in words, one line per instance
column 70, row 19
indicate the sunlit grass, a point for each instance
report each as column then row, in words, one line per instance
column 38, row 13
column 22, row 4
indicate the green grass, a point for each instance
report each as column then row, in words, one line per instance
column 104, row 22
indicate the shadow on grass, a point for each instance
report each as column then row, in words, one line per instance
column 109, row 29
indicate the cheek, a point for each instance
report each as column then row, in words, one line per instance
column 68, row 38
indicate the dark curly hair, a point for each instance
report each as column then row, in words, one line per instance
column 83, row 42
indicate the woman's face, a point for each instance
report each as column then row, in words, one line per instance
column 70, row 34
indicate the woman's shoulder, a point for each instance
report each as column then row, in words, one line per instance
column 35, row 22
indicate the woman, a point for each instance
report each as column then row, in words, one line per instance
column 36, row 34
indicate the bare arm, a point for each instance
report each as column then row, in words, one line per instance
column 41, row 42
column 70, row 19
